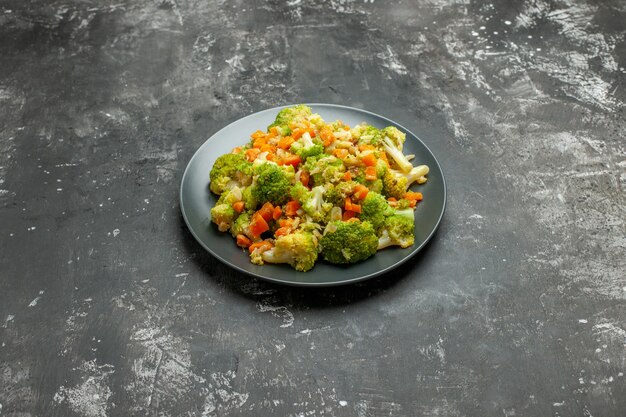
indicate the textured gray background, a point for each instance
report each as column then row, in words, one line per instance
column 109, row 308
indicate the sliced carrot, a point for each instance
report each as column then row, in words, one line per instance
column 360, row 191
column 236, row 150
column 369, row 160
column 366, row 147
column 257, row 143
column 412, row 203
column 274, row 131
column 271, row 157
column 282, row 231
column 347, row 176
column 305, row 177
column 383, row 156
column 291, row 159
column 392, row 201
column 292, row 207
column 347, row 215
column 297, row 133
column 411, row 195
column 243, row 241
column 258, row 135
column 264, row 244
column 277, row 213
column 251, row 154
column 238, row 206
column 326, row 134
column 285, row 222
column 312, row 132
column 258, row 225
column 340, row 153
column 347, row 205
column 266, row 147
column 285, row 143
column 370, row 173
column 355, row 208
column 266, row 211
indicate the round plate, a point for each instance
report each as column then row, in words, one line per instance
column 196, row 201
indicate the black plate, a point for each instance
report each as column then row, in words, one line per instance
column 196, row 201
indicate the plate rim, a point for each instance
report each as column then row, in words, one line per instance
column 414, row 252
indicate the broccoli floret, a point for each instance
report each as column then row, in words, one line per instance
column 337, row 194
column 297, row 249
column 240, row 226
column 396, row 183
column 396, row 136
column 325, row 169
column 402, row 204
column 375, row 209
column 230, row 170
column 397, row 231
column 289, row 115
column 348, row 242
column 305, row 147
column 376, row 185
column 298, row 192
column 248, row 198
column 271, row 183
column 367, row 134
column 223, row 216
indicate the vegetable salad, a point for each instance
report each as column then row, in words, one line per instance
column 306, row 189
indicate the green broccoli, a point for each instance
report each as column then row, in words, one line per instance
column 298, row 192
column 223, row 216
column 305, row 147
column 325, row 169
column 230, row 170
column 367, row 134
column 248, row 198
column 375, row 209
column 396, row 183
column 289, row 115
column 240, row 226
column 298, row 249
column 398, row 230
column 337, row 194
column 397, row 137
column 271, row 183
column 312, row 201
column 402, row 204
column 348, row 242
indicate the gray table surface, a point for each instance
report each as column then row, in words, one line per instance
column 108, row 307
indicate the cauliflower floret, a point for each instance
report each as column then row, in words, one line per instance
column 398, row 230
column 298, row 249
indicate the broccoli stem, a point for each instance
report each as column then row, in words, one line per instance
column 384, row 241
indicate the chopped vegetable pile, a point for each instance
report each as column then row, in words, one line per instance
column 306, row 189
